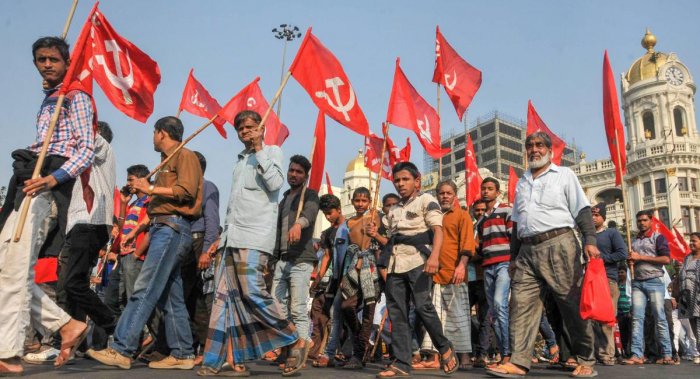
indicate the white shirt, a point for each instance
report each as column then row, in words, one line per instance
column 550, row 201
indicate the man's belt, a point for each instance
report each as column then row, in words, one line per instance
column 548, row 235
column 197, row 235
column 169, row 220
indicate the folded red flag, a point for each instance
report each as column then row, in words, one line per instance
column 319, row 159
column 512, row 184
column 613, row 122
column 596, row 303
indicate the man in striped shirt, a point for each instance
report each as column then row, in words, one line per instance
column 494, row 230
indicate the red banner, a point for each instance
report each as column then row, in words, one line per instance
column 614, row 130
column 676, row 244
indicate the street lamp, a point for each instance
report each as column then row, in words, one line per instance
column 286, row 32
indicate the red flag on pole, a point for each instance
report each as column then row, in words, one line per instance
column 613, row 122
column 197, row 100
column 408, row 110
column 318, row 161
column 512, row 184
column 127, row 75
column 323, row 78
column 80, row 71
column 535, row 124
column 472, row 177
column 329, row 187
column 251, row 98
column 460, row 79
column 683, row 245
column 678, row 249
column 392, row 155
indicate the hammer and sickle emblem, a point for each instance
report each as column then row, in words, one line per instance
column 336, row 102
column 451, row 85
column 195, row 100
column 425, row 132
column 124, row 83
column 251, row 102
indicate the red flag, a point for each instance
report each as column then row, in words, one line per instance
column 127, row 75
column 79, row 70
column 251, row 98
column 197, row 100
column 472, row 177
column 329, row 187
column 408, row 110
column 405, row 153
column 460, row 79
column 512, row 184
column 392, row 155
column 535, row 124
column 678, row 250
column 117, row 202
column 682, row 243
column 613, row 123
column 323, row 78
column 318, row 161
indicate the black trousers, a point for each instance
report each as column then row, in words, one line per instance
column 78, row 256
column 480, row 332
column 400, row 290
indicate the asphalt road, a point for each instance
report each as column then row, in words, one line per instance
column 84, row 368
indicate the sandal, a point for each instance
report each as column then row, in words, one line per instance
column 4, row 371
column 299, row 356
column 426, row 365
column 271, row 355
column 508, row 370
column 323, row 361
column 208, row 371
column 584, row 372
column 570, row 365
column 666, row 361
column 451, row 359
column 393, row 372
column 62, row 359
column 633, row 361
column 354, row 364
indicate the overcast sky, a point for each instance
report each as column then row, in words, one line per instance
column 547, row 51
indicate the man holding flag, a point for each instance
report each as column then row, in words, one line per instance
column 70, row 153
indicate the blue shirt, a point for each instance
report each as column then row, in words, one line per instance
column 612, row 250
column 209, row 222
column 550, row 201
column 251, row 217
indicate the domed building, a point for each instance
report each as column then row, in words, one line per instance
column 663, row 146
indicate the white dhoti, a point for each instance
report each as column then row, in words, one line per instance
column 452, row 306
column 21, row 300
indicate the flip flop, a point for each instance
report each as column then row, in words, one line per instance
column 300, row 356
column 61, row 360
column 451, row 358
column 398, row 373
column 507, row 372
column 577, row 372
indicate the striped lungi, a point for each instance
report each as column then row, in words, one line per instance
column 244, row 312
column 452, row 306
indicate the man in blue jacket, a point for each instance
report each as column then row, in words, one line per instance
column 613, row 251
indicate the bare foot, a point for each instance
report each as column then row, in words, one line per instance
column 11, row 366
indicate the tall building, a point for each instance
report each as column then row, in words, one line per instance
column 663, row 145
column 499, row 142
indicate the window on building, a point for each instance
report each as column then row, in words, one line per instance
column 510, row 130
column 647, row 188
column 446, row 171
column 660, row 185
column 509, row 143
column 512, row 157
column 459, row 154
column 488, row 129
column 459, row 140
column 693, row 184
column 663, row 216
column 473, row 135
column 459, row 167
column 493, row 167
column 446, row 145
column 685, row 214
column 682, row 183
column 648, row 122
column 679, row 121
column 697, row 219
column 447, row 159
column 488, row 142
column 489, row 155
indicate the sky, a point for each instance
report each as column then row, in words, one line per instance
column 548, row 51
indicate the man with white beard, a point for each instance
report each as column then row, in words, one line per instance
column 546, row 256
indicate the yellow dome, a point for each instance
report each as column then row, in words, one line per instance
column 648, row 65
column 358, row 163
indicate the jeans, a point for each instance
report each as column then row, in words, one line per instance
column 649, row 291
column 290, row 287
column 159, row 284
column 547, row 332
column 336, row 325
column 497, row 283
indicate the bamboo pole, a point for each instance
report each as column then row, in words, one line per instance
column 179, row 111
column 625, row 208
column 47, row 139
column 438, row 112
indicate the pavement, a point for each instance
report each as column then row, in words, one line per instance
column 84, row 368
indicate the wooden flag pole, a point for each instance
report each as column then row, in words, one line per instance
column 179, row 111
column 181, row 145
column 625, row 209
column 275, row 98
column 385, row 131
column 438, row 112
column 45, row 145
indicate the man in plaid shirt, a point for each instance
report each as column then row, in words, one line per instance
column 70, row 153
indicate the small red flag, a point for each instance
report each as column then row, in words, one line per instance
column 329, row 187
column 460, row 79
column 512, row 184
column 392, row 155
column 117, row 202
column 682, row 244
column 535, row 124
column 472, row 177
column 408, row 110
column 323, row 78
column 613, row 123
column 676, row 243
column 127, row 75
column 197, row 100
column 251, row 98
column 318, row 161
